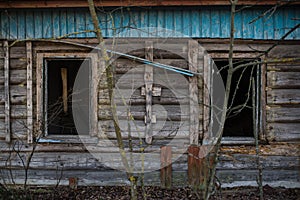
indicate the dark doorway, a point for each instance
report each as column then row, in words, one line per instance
column 60, row 78
column 239, row 122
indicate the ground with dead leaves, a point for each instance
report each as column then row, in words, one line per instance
column 123, row 192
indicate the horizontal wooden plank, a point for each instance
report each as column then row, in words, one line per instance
column 88, row 177
column 283, row 114
column 274, row 149
column 285, row 51
column 283, row 96
column 167, row 97
column 95, row 161
column 228, row 178
column 166, row 129
column 245, row 161
column 123, row 65
column 163, row 112
column 283, row 132
column 86, row 161
column 234, row 178
column 16, row 77
column 161, row 77
column 16, row 111
column 18, row 127
column 283, row 79
column 294, row 66
column 15, row 63
column 16, row 52
column 17, row 94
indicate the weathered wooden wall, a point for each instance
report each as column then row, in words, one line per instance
column 55, row 161
column 283, row 96
column 17, row 92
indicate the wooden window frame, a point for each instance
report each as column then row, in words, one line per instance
column 40, row 87
column 262, row 103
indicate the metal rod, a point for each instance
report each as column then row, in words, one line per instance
column 142, row 60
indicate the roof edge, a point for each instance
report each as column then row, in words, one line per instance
column 109, row 3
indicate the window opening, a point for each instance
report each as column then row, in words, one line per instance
column 60, row 75
column 239, row 122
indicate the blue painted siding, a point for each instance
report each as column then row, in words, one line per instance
column 196, row 22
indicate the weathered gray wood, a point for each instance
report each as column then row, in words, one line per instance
column 156, row 91
column 285, row 51
column 148, row 78
column 15, row 64
column 283, row 114
column 168, row 130
column 290, row 66
column 16, row 51
column 167, row 97
column 174, row 112
column 17, row 128
column 137, row 78
column 193, row 52
column 228, row 178
column 17, row 94
column 234, row 178
column 283, row 132
column 283, row 79
column 39, row 93
column 2, row 132
column 283, row 96
column 16, row 77
column 29, row 93
column 263, row 103
column 16, row 111
column 123, row 65
column 245, row 161
column 206, row 95
column 219, row 47
column 7, row 92
column 98, row 67
column 81, row 161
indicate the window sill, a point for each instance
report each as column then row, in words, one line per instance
column 74, row 139
column 238, row 141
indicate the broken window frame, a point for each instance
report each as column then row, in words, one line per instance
column 40, row 88
column 260, row 98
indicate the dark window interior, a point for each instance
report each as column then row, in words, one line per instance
column 59, row 117
column 239, row 123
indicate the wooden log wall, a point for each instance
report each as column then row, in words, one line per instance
column 283, row 96
column 13, row 108
column 176, row 118
column 55, row 162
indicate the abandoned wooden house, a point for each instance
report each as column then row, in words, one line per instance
column 46, row 46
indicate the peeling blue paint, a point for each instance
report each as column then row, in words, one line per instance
column 196, row 22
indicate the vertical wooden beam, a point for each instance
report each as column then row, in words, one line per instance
column 206, row 96
column 166, row 166
column 6, row 92
column 29, row 92
column 64, row 77
column 193, row 90
column 39, row 93
column 263, row 91
column 97, row 67
column 148, row 78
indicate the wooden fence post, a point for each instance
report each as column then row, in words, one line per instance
column 166, row 167
column 198, row 168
